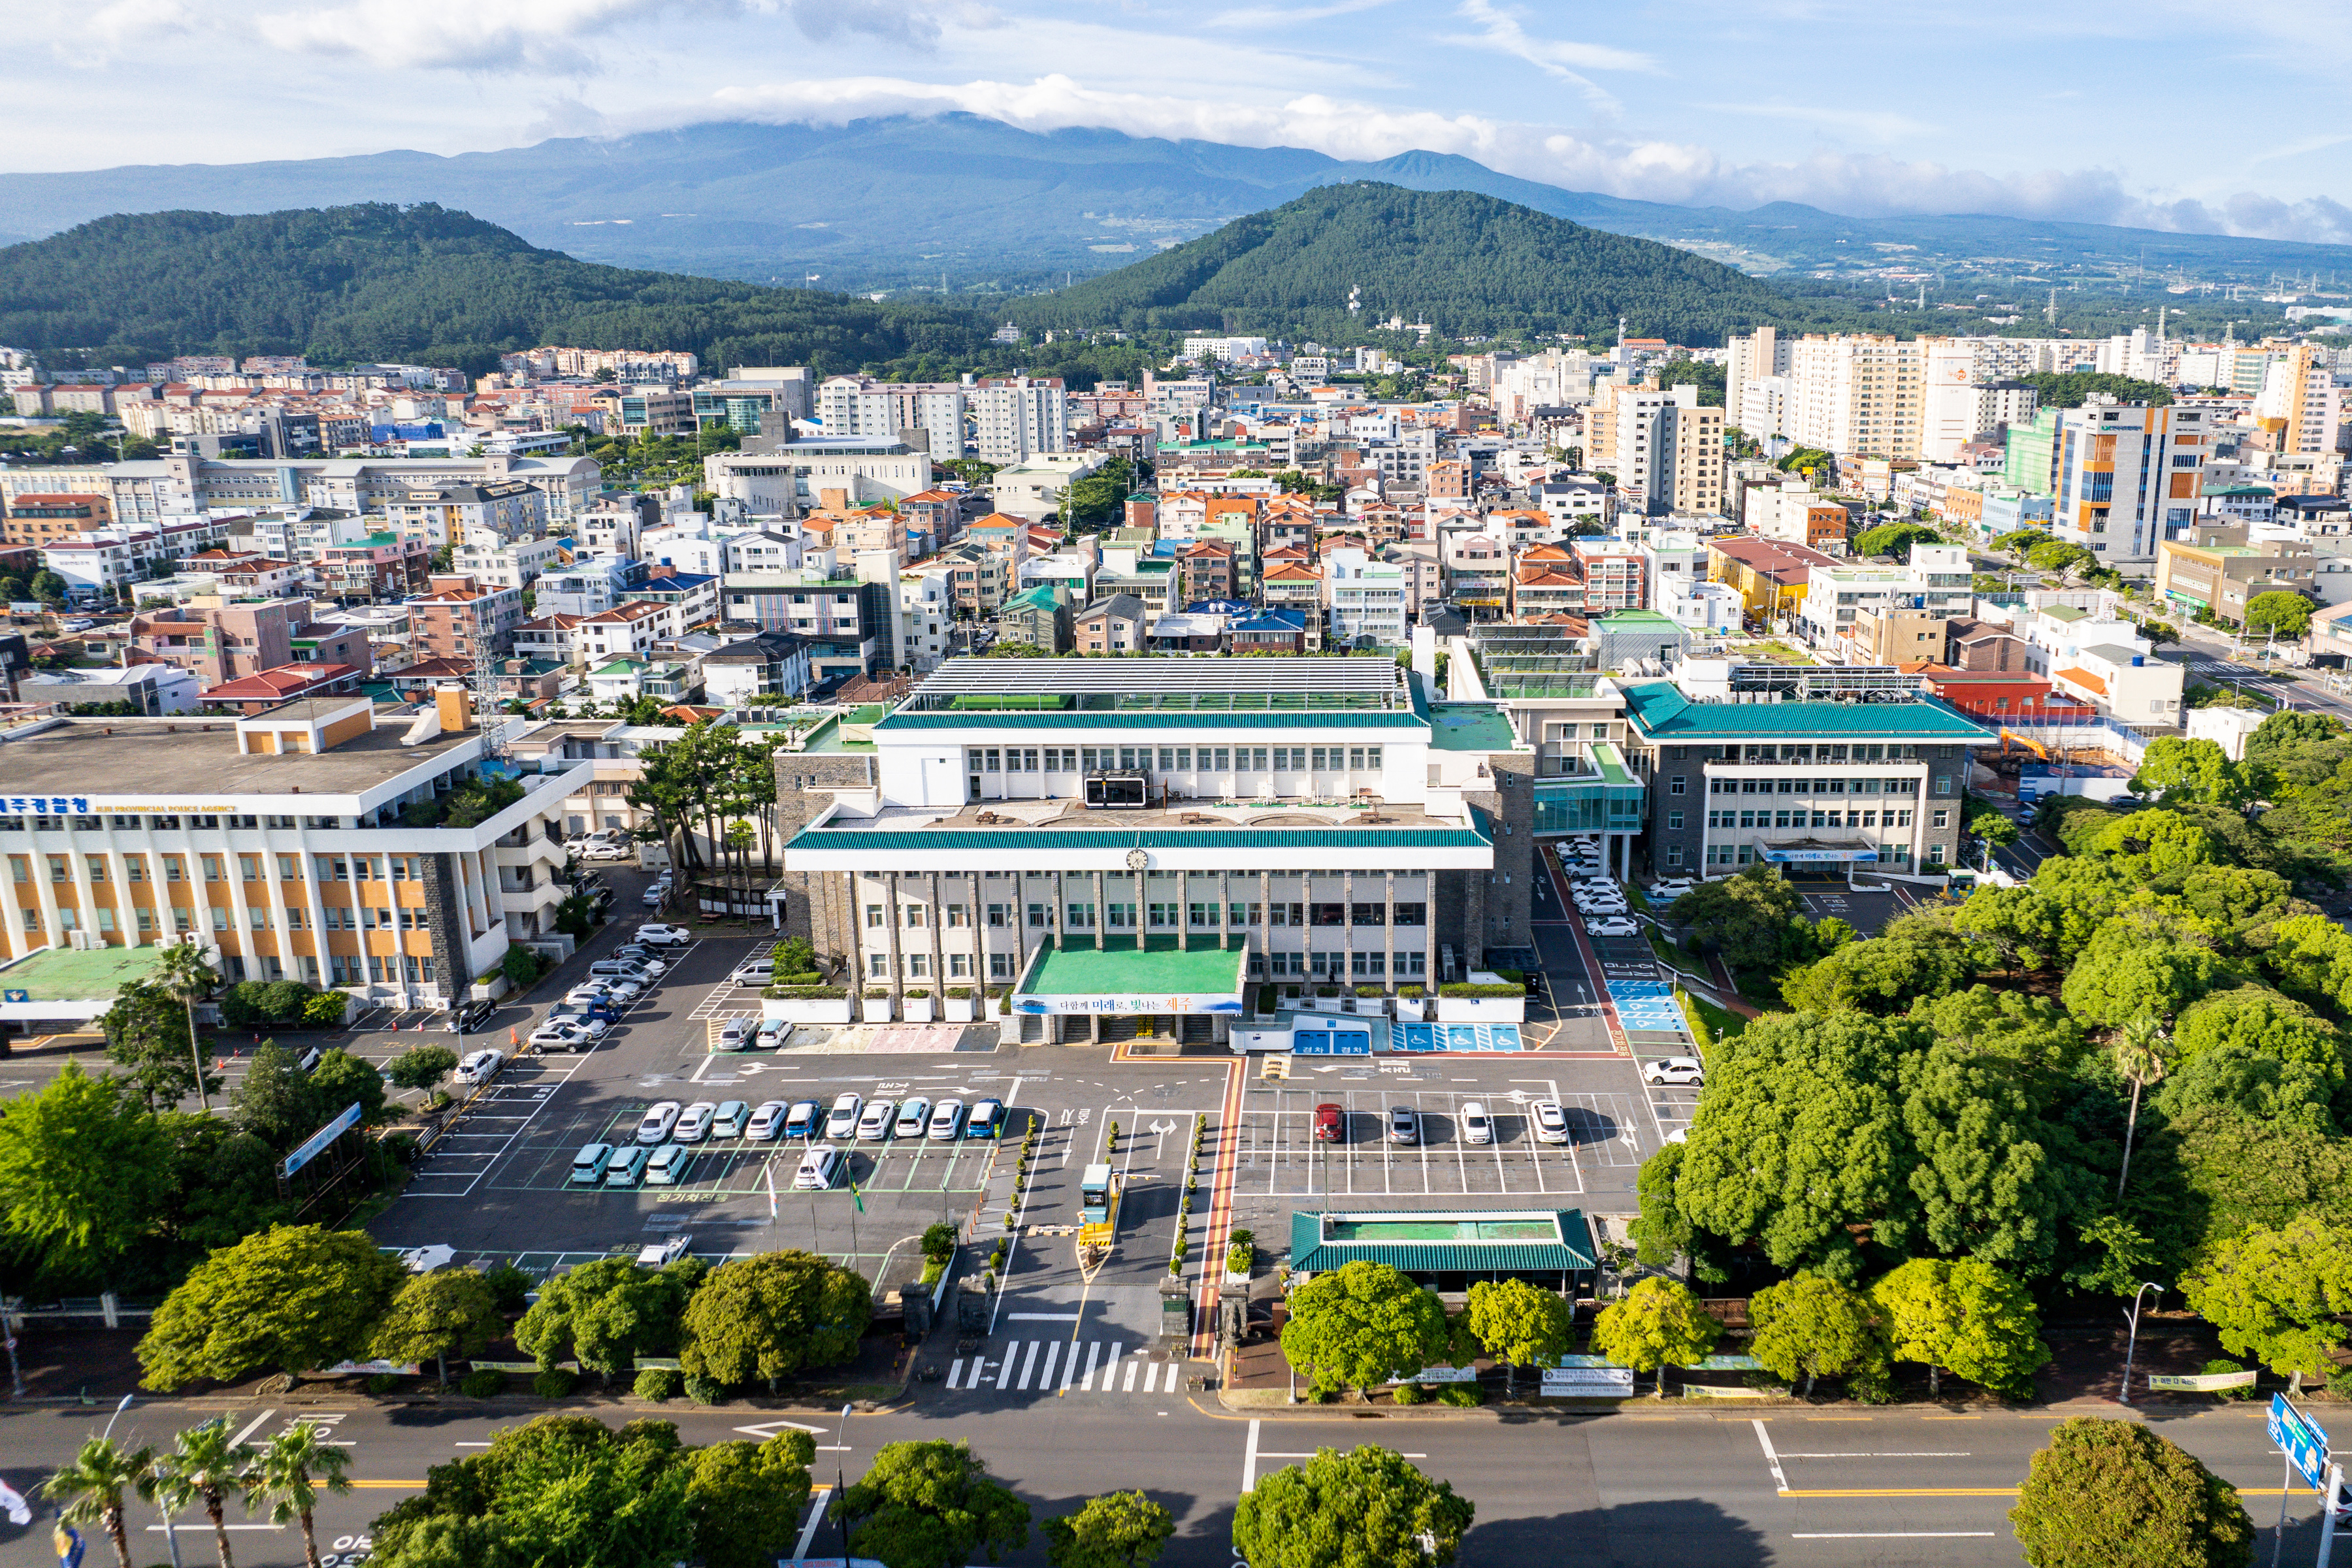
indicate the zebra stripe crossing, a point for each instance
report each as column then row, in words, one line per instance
column 1097, row 1366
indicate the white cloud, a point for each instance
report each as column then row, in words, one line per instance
column 1862, row 185
column 1881, row 125
column 1559, row 58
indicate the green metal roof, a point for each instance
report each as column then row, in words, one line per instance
column 1470, row 727
column 861, row 840
column 1164, row 718
column 1309, row 1252
column 1085, row 971
column 1660, row 712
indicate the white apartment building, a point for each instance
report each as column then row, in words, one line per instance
column 183, row 484
column 1857, row 395
column 1762, row 412
column 926, row 617
column 2096, row 656
column 1960, row 405
column 2127, row 475
column 1665, row 451
column 2300, row 402
column 1224, row 350
column 857, row 408
column 1016, row 418
column 516, row 563
column 1937, row 580
column 1364, row 600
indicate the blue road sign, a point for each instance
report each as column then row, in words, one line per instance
column 2304, row 1440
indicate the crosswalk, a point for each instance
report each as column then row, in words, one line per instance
column 1052, row 1366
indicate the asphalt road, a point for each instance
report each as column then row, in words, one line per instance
column 1674, row 1485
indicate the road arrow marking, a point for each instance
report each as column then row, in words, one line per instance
column 767, row 1429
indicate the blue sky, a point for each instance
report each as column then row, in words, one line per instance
column 2169, row 114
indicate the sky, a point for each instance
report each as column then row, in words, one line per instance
column 2167, row 114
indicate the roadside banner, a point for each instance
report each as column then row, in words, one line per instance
column 1588, row 1382
column 2206, row 1383
column 1440, row 1374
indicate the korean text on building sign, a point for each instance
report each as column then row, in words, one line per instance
column 45, row 806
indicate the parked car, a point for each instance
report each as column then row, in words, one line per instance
column 802, row 1120
column 479, row 1067
column 819, row 1169
column 470, row 1015
column 590, row 993
column 1404, row 1124
column 752, row 971
column 947, row 1120
column 773, row 1033
column 728, row 1120
column 600, row 1010
column 669, row 1165
column 568, row 1034
column 873, row 1123
column 842, row 1122
column 661, row 1254
column 766, row 1122
column 1551, row 1121
column 734, row 1032
column 1477, row 1127
column 588, row 1165
column 1613, row 925
column 604, row 852
column 660, row 935
column 620, row 969
column 655, row 895
column 653, row 1126
column 1675, row 1070
column 1331, row 1124
column 628, row 1167
column 645, row 958
column 987, row 1119
column 1669, row 890
column 694, row 1123
column 914, row 1117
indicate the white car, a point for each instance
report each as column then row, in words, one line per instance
column 734, row 1032
column 618, row 990
column 1612, row 925
column 568, row 1034
column 841, row 1122
column 1603, row 911
column 645, row 959
column 914, row 1117
column 480, row 1066
column 1551, row 1121
column 1477, row 1127
column 604, row 852
column 660, row 935
column 694, row 1123
column 1675, row 1070
column 658, row 1254
column 874, row 1126
column 947, row 1119
column 1671, row 888
column 655, row 895
column 659, row 1117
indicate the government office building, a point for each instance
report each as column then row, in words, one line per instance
column 1123, row 839
column 291, row 843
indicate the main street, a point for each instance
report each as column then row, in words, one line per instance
column 1664, row 1485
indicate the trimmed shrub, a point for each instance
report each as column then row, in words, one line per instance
column 1410, row 1393
column 706, row 1390
column 1467, row 1395
column 482, row 1383
column 658, row 1384
column 555, row 1383
column 939, row 1241
column 2215, row 1368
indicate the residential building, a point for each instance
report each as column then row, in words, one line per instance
column 2218, row 569
column 2301, row 404
column 460, row 617
column 656, row 410
column 488, row 513
column 1795, row 513
column 625, row 630
column 1113, row 625
column 2126, row 476
column 1708, row 609
column 1038, row 615
column 773, row 477
column 772, row 664
column 260, row 692
column 35, row 518
column 216, row 642
column 152, row 690
column 292, row 844
column 1295, row 585
column 1014, row 418
column 1616, row 574
column 509, row 564
column 2095, row 657
column 1366, row 601
column 184, row 484
column 1936, row 582
column 859, row 407
column 1665, row 451
column 376, row 567
column 1762, row 354
column 548, row 638
column 1771, row 578
column 1477, row 565
column 1857, row 395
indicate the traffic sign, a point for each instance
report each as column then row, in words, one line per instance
column 2304, row 1440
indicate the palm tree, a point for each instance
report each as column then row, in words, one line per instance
column 2139, row 1054
column 281, row 1478
column 181, row 970
column 203, row 1466
column 90, row 1489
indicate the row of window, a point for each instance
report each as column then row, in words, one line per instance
column 1818, row 786
column 222, row 921
column 1745, row 854
column 1172, row 759
column 214, row 867
column 1798, row 819
column 160, row 824
column 1411, row 964
column 1200, row 915
column 1809, row 751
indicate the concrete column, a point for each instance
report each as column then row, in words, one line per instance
column 12, row 913
column 1102, row 910
column 1347, row 931
column 890, row 928
column 1428, row 976
column 939, row 960
column 1388, row 931
column 1226, row 916
column 126, row 913
column 314, row 910
column 86, row 901
column 1265, row 925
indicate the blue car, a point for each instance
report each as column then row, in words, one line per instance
column 987, row 1119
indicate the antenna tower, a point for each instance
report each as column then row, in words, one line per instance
column 487, row 716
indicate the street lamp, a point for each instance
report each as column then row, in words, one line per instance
column 111, row 1420
column 2131, row 1346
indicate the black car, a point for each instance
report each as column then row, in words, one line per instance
column 470, row 1016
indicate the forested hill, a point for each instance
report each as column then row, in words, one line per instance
column 1466, row 263
column 417, row 284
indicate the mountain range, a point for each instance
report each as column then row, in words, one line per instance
column 977, row 206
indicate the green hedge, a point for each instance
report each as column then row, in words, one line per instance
column 805, row 992
column 1465, row 988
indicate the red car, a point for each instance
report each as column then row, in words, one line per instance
column 1331, row 1124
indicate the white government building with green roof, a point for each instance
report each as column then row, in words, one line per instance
column 1141, row 838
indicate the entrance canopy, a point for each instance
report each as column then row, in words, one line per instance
column 1817, row 851
column 1121, row 978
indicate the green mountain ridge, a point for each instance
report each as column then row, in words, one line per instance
column 419, row 284
column 1465, row 263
